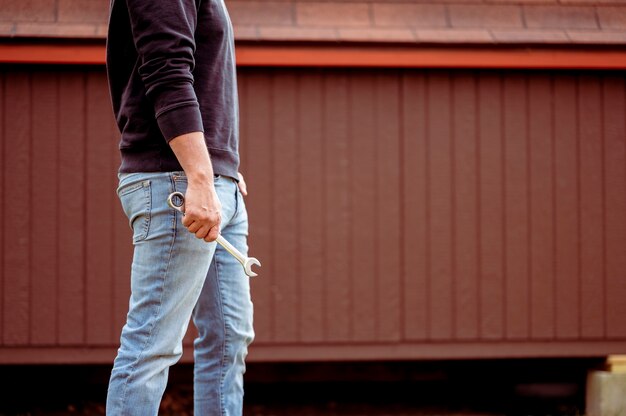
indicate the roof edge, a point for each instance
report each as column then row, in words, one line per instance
column 342, row 55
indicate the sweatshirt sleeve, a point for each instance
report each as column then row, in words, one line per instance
column 163, row 32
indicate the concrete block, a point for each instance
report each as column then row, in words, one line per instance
column 606, row 394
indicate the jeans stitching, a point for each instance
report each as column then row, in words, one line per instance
column 224, row 341
column 146, row 228
column 141, row 227
column 236, row 200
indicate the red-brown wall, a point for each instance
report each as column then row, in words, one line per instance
column 401, row 214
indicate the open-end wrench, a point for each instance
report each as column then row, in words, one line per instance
column 176, row 200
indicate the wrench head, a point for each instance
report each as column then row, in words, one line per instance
column 247, row 266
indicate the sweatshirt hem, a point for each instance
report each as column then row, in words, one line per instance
column 225, row 162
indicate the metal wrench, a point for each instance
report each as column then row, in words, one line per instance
column 176, row 200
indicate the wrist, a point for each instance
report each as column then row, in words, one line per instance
column 199, row 178
column 191, row 151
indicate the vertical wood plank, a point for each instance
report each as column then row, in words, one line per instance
column 71, row 181
column 364, row 234
column 388, row 206
column 315, row 221
column 99, row 194
column 285, row 203
column 122, row 256
column 242, row 83
column 415, row 197
column 338, row 186
column 615, row 204
column 491, row 207
column 44, row 219
column 440, row 208
column 122, row 243
column 258, row 119
column 120, row 234
column 2, row 202
column 566, row 215
column 16, row 242
column 465, row 203
column 244, row 138
column 190, row 335
column 591, row 209
column 541, row 207
column 516, row 207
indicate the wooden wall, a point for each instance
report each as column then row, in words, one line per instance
column 398, row 214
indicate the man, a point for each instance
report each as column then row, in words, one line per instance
column 171, row 72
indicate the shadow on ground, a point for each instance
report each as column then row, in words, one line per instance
column 479, row 388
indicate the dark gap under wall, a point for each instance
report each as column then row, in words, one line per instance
column 478, row 387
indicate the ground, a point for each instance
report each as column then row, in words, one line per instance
column 456, row 388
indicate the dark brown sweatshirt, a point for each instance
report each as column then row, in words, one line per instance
column 171, row 69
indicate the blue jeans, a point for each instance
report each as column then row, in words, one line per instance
column 174, row 277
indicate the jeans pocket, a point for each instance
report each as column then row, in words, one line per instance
column 137, row 203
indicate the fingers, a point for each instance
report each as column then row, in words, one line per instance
column 203, row 227
column 188, row 222
column 204, row 232
column 201, row 232
column 212, row 235
column 243, row 189
column 242, row 185
column 202, row 211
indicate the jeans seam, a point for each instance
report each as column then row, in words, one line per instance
column 224, row 341
column 146, row 230
column 236, row 200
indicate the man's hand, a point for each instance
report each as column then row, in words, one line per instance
column 242, row 185
column 202, row 206
column 202, row 211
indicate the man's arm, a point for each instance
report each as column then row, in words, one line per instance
column 163, row 34
column 202, row 207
